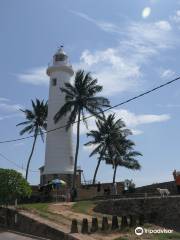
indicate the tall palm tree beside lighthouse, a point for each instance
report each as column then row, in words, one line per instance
column 36, row 123
column 80, row 98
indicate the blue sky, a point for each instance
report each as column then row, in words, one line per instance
column 129, row 45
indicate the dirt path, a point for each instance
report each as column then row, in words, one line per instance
column 60, row 215
column 64, row 209
column 61, row 218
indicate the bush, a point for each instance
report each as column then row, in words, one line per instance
column 12, row 186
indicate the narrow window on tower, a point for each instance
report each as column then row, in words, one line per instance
column 54, row 81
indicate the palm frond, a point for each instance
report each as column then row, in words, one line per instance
column 23, row 123
column 65, row 109
column 96, row 150
column 72, row 116
column 26, row 129
column 84, row 118
column 36, row 118
column 42, row 134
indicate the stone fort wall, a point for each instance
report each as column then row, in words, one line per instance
column 20, row 222
column 163, row 212
column 171, row 186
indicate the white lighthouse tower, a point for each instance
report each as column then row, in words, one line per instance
column 59, row 161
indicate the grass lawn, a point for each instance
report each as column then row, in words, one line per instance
column 81, row 207
column 42, row 207
column 164, row 236
column 85, row 207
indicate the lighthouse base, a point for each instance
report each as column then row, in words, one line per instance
column 67, row 177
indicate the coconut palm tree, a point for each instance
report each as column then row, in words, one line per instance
column 99, row 144
column 80, row 98
column 36, row 122
column 128, row 161
column 120, row 151
column 107, row 138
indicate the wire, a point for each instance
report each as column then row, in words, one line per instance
column 15, row 164
column 105, row 110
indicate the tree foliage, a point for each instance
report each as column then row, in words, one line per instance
column 36, row 123
column 36, row 119
column 12, row 186
column 108, row 139
column 81, row 98
column 111, row 143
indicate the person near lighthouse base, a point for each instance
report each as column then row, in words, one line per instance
column 176, row 176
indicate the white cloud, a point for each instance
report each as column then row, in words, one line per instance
column 136, row 131
column 10, row 107
column 167, row 73
column 119, row 69
column 10, row 116
column 131, row 119
column 146, row 12
column 89, row 148
column 163, row 25
column 9, row 110
column 149, row 29
column 114, row 72
column 7, row 107
column 36, row 76
column 111, row 27
column 2, row 99
column 149, row 38
column 176, row 17
column 135, row 31
column 105, row 26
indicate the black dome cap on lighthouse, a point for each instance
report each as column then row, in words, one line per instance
column 60, row 56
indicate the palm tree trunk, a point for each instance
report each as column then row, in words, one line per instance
column 96, row 170
column 77, row 150
column 97, row 167
column 114, row 175
column 27, row 168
